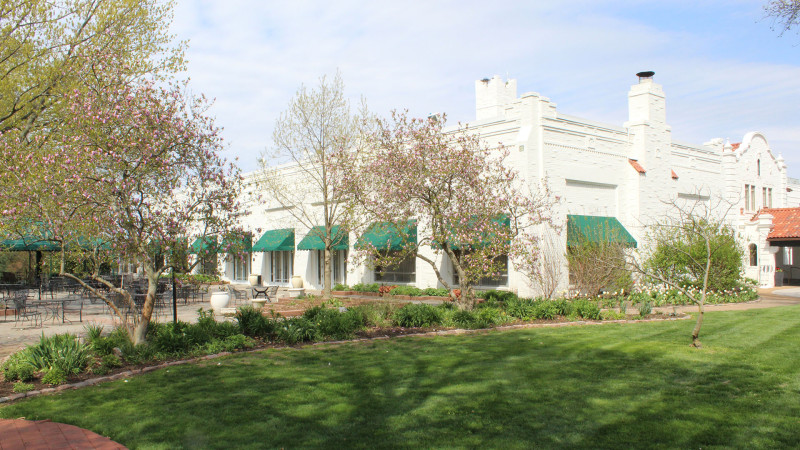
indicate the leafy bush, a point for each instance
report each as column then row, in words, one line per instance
column 645, row 308
column 296, row 329
column 254, row 324
column 521, row 308
column 376, row 314
column 494, row 296
column 437, row 292
column 17, row 367
column 489, row 316
column 546, row 309
column 407, row 290
column 587, row 309
column 340, row 287
column 418, row 315
column 332, row 324
column 563, row 307
column 20, row 387
column 62, row 351
column 54, row 377
column 373, row 287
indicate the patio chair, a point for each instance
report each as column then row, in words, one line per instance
column 23, row 311
column 270, row 292
column 237, row 294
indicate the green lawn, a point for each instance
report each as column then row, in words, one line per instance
column 612, row 385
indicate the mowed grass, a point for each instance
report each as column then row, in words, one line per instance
column 597, row 386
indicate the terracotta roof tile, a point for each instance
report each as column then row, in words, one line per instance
column 735, row 146
column 785, row 222
column 637, row 166
column 674, row 175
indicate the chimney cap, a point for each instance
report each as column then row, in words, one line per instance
column 647, row 74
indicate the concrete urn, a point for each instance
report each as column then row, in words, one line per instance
column 297, row 282
column 219, row 300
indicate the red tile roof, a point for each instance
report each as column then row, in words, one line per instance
column 636, row 165
column 674, row 175
column 785, row 223
column 735, row 146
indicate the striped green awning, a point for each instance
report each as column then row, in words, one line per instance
column 204, row 244
column 276, row 241
column 597, row 229
column 313, row 240
column 386, row 236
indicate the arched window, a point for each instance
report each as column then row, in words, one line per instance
column 753, row 255
column 759, row 167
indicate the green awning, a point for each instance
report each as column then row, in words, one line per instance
column 276, row 241
column 385, row 236
column 313, row 240
column 597, row 229
column 503, row 220
column 25, row 245
column 204, row 244
column 241, row 243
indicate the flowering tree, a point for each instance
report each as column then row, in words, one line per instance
column 47, row 46
column 447, row 191
column 134, row 168
column 317, row 124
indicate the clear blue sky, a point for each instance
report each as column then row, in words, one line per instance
column 724, row 71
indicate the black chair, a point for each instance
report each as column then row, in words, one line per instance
column 269, row 292
column 23, row 311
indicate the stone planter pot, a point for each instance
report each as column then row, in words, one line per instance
column 254, row 279
column 297, row 282
column 219, row 300
column 778, row 279
column 258, row 303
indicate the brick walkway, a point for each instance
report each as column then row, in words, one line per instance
column 43, row 434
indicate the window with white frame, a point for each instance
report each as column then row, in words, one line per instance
column 281, row 266
column 501, row 280
column 404, row 272
column 338, row 266
column 241, row 266
column 749, row 197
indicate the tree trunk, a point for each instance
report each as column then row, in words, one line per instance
column 696, row 332
column 140, row 332
column 327, row 269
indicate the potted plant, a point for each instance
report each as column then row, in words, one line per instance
column 220, row 299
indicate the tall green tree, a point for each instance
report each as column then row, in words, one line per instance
column 318, row 123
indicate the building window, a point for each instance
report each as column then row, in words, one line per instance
column 241, row 266
column 281, row 266
column 404, row 272
column 758, row 170
column 749, row 197
column 338, row 266
column 753, row 255
column 501, row 280
column 208, row 264
column 769, row 197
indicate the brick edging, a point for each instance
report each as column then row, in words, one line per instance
column 457, row 331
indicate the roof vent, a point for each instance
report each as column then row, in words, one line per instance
column 645, row 75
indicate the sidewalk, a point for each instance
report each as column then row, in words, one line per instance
column 767, row 298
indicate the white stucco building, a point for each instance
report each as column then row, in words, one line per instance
column 623, row 171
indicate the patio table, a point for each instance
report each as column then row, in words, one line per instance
column 56, row 308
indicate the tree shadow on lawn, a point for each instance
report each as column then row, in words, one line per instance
column 618, row 385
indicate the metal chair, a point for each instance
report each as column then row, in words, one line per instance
column 270, row 292
column 23, row 311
